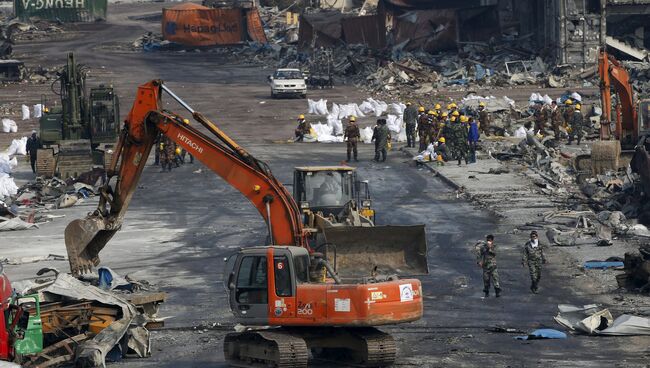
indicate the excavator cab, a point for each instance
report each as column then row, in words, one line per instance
column 328, row 189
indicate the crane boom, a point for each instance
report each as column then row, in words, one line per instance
column 612, row 73
column 85, row 238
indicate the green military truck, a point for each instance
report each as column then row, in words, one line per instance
column 77, row 134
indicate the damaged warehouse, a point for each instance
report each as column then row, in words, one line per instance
column 473, row 173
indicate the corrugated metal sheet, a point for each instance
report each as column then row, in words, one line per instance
column 368, row 30
column 63, row 10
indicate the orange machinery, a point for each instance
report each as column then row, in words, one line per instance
column 283, row 284
column 626, row 128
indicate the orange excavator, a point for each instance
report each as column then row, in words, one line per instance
column 285, row 284
column 624, row 126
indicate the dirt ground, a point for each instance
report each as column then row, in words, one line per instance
column 181, row 225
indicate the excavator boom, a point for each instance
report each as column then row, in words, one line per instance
column 85, row 238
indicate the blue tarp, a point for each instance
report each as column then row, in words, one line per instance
column 590, row 265
column 544, row 333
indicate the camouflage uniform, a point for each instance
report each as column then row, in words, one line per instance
column 424, row 131
column 487, row 258
column 303, row 129
column 484, row 121
column 167, row 153
column 577, row 124
column 568, row 113
column 352, row 134
column 410, row 119
column 533, row 257
column 459, row 143
column 540, row 119
column 381, row 137
column 556, row 121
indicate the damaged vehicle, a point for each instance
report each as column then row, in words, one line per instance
column 288, row 82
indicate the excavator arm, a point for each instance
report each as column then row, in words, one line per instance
column 85, row 238
column 612, row 73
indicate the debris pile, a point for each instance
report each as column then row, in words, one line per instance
column 85, row 323
column 637, row 270
column 594, row 320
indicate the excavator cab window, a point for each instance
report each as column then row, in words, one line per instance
column 282, row 276
column 301, row 266
column 252, row 280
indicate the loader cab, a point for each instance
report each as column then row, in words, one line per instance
column 328, row 189
column 262, row 281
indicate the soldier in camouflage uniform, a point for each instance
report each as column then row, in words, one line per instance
column 460, row 144
column 577, row 124
column 533, row 256
column 556, row 119
column 486, row 258
column 352, row 136
column 167, row 153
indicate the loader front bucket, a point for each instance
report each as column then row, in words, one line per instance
column 356, row 251
column 84, row 239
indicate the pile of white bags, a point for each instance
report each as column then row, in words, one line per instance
column 7, row 185
column 9, row 126
column 25, row 109
column 325, row 133
column 17, row 147
column 318, row 107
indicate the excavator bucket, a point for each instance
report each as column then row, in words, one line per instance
column 84, row 239
column 386, row 250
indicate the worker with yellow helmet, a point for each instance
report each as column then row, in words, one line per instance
column 577, row 124
column 568, row 112
column 441, row 152
column 456, row 135
column 303, row 128
column 351, row 136
column 167, row 153
column 484, row 118
column 410, row 121
column 425, row 124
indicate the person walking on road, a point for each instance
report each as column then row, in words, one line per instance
column 352, row 136
column 533, row 257
column 32, row 147
column 381, row 138
column 411, row 120
column 487, row 260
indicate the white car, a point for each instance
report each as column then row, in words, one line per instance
column 288, row 82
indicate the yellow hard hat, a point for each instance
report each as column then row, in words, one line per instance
column 442, row 140
column 162, row 145
column 453, row 118
column 481, row 103
column 437, row 107
column 45, row 109
column 449, row 106
column 177, row 150
column 430, row 112
column 435, row 113
column 455, row 113
column 578, row 106
column 569, row 102
column 445, row 114
column 421, row 109
column 453, row 105
column 301, row 116
column 463, row 119
column 186, row 121
column 408, row 103
column 353, row 118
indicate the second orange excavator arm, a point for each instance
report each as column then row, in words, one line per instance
column 85, row 238
column 612, row 73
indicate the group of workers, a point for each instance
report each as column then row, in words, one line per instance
column 570, row 117
column 169, row 155
column 453, row 133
